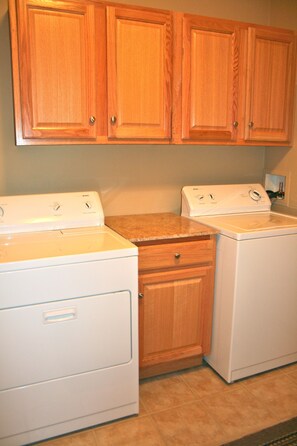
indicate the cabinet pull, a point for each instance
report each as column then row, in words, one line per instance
column 140, row 295
column 235, row 124
column 113, row 120
column 251, row 124
column 92, row 120
column 177, row 255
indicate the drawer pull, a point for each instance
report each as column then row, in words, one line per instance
column 140, row 295
column 177, row 255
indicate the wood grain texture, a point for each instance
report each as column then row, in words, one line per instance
column 172, row 255
column 15, row 71
column 57, row 69
column 210, row 79
column 172, row 314
column 270, row 85
column 170, row 366
column 100, row 72
column 175, row 310
column 167, row 77
column 177, row 77
column 139, row 73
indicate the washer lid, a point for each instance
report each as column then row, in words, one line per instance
column 224, row 199
column 252, row 225
column 47, row 248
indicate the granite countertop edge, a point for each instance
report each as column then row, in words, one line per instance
column 141, row 228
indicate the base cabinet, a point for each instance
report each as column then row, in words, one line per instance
column 175, row 305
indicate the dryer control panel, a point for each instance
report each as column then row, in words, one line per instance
column 41, row 212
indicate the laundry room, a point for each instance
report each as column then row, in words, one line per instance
column 139, row 178
column 108, row 124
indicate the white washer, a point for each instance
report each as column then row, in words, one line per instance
column 68, row 317
column 255, row 305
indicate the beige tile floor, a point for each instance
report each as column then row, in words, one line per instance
column 196, row 407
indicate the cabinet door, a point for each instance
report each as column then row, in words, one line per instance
column 139, row 74
column 270, row 85
column 209, row 79
column 57, row 69
column 174, row 314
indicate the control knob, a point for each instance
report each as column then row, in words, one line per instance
column 255, row 195
column 56, row 207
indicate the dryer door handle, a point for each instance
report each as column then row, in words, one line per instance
column 59, row 315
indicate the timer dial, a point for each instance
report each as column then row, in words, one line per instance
column 255, row 195
column 56, row 207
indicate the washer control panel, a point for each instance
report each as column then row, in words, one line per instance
column 224, row 199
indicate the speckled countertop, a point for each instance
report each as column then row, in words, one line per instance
column 150, row 227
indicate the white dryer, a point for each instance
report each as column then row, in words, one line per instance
column 68, row 317
column 255, row 305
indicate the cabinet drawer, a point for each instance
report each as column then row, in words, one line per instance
column 170, row 255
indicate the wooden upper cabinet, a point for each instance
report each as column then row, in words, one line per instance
column 139, row 73
column 90, row 72
column 209, row 79
column 270, row 85
column 57, row 70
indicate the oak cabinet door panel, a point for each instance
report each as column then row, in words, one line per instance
column 209, row 80
column 139, row 74
column 271, row 66
column 175, row 314
column 57, row 69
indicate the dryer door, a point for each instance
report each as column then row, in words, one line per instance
column 58, row 339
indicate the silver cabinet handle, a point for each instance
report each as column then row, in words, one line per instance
column 92, row 120
column 113, row 120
